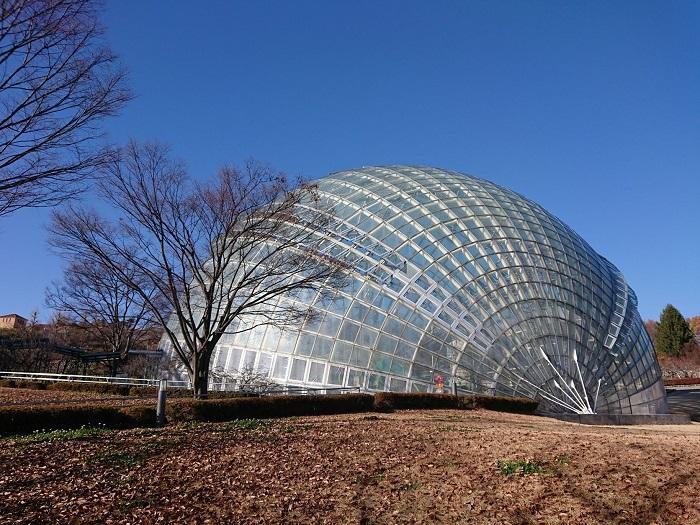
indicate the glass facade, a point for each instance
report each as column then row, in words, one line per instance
column 458, row 280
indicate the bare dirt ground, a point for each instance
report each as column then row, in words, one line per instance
column 405, row 467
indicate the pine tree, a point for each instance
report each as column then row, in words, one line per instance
column 672, row 332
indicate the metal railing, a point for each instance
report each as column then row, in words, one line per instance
column 228, row 386
column 75, row 378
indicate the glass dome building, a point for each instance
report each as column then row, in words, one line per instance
column 458, row 281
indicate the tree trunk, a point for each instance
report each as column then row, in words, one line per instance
column 200, row 378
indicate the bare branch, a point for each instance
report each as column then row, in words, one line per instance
column 58, row 82
column 216, row 253
column 92, row 296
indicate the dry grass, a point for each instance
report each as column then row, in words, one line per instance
column 406, row 467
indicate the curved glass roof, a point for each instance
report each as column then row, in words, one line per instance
column 458, row 279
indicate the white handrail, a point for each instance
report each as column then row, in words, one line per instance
column 137, row 381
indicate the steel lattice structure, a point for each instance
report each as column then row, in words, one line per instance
column 457, row 277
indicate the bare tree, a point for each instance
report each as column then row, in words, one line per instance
column 226, row 256
column 101, row 304
column 248, row 379
column 58, row 81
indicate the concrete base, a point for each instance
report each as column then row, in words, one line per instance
column 623, row 419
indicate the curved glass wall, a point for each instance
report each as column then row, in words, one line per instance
column 458, row 280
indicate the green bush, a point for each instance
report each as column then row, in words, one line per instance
column 266, row 407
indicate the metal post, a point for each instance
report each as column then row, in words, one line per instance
column 160, row 407
column 597, row 391
column 454, row 387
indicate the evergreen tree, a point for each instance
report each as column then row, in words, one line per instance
column 672, row 332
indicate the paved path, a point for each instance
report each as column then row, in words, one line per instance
column 684, row 401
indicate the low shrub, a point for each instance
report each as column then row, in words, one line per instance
column 74, row 386
column 140, row 416
column 99, row 388
column 383, row 405
column 387, row 401
column 516, row 405
column 19, row 383
column 26, row 419
column 266, row 407
column 143, row 391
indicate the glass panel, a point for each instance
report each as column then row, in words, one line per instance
column 348, row 331
column 367, row 337
column 322, row 347
column 221, row 357
column 316, row 371
column 387, row 344
column 249, row 360
column 397, row 385
column 234, row 362
column 336, row 375
column 356, row 378
column 342, row 352
column 375, row 318
column 280, row 370
column 360, row 356
column 376, row 382
column 264, row 364
column 298, row 369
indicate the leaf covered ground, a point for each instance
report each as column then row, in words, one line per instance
column 405, row 467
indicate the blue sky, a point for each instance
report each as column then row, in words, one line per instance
column 591, row 109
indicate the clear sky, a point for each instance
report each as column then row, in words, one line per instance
column 590, row 108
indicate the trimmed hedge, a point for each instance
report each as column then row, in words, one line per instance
column 389, row 401
column 18, row 383
column 516, row 405
column 100, row 388
column 27, row 419
column 69, row 386
column 140, row 416
column 266, row 407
